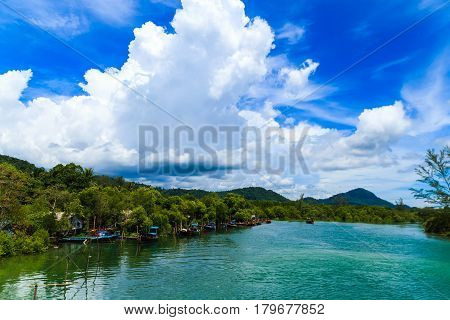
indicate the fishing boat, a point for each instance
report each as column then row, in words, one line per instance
column 232, row 224
column 103, row 236
column 210, row 226
column 75, row 239
column 194, row 229
column 151, row 234
column 183, row 232
column 251, row 223
column 95, row 235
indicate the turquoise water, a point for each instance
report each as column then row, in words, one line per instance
column 282, row 260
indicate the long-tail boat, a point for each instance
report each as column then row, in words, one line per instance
column 95, row 235
column 194, row 229
column 210, row 226
column 103, row 236
column 151, row 234
column 232, row 224
column 75, row 239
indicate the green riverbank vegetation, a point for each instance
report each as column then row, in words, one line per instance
column 37, row 206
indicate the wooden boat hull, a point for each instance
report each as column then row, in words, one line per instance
column 104, row 238
column 82, row 239
column 75, row 239
column 148, row 239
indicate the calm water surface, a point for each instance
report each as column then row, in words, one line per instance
column 283, row 260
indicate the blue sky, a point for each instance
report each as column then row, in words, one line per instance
column 335, row 34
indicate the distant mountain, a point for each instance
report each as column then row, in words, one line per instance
column 250, row 193
column 360, row 197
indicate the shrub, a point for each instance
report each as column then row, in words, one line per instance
column 21, row 243
column 40, row 241
column 6, row 244
column 438, row 223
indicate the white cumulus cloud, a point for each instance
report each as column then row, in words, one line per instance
column 199, row 74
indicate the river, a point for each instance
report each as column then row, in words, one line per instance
column 282, row 260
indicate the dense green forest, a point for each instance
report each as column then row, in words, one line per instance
column 39, row 205
column 250, row 193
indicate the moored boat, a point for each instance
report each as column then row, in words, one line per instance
column 75, row 239
column 232, row 224
column 103, row 236
column 310, row 221
column 151, row 234
column 96, row 235
column 251, row 223
column 183, row 232
column 210, row 226
column 194, row 229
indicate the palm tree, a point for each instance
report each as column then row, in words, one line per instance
column 88, row 174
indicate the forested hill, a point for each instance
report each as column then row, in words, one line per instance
column 354, row 197
column 250, row 193
column 257, row 193
column 33, row 170
column 22, row 165
column 358, row 196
